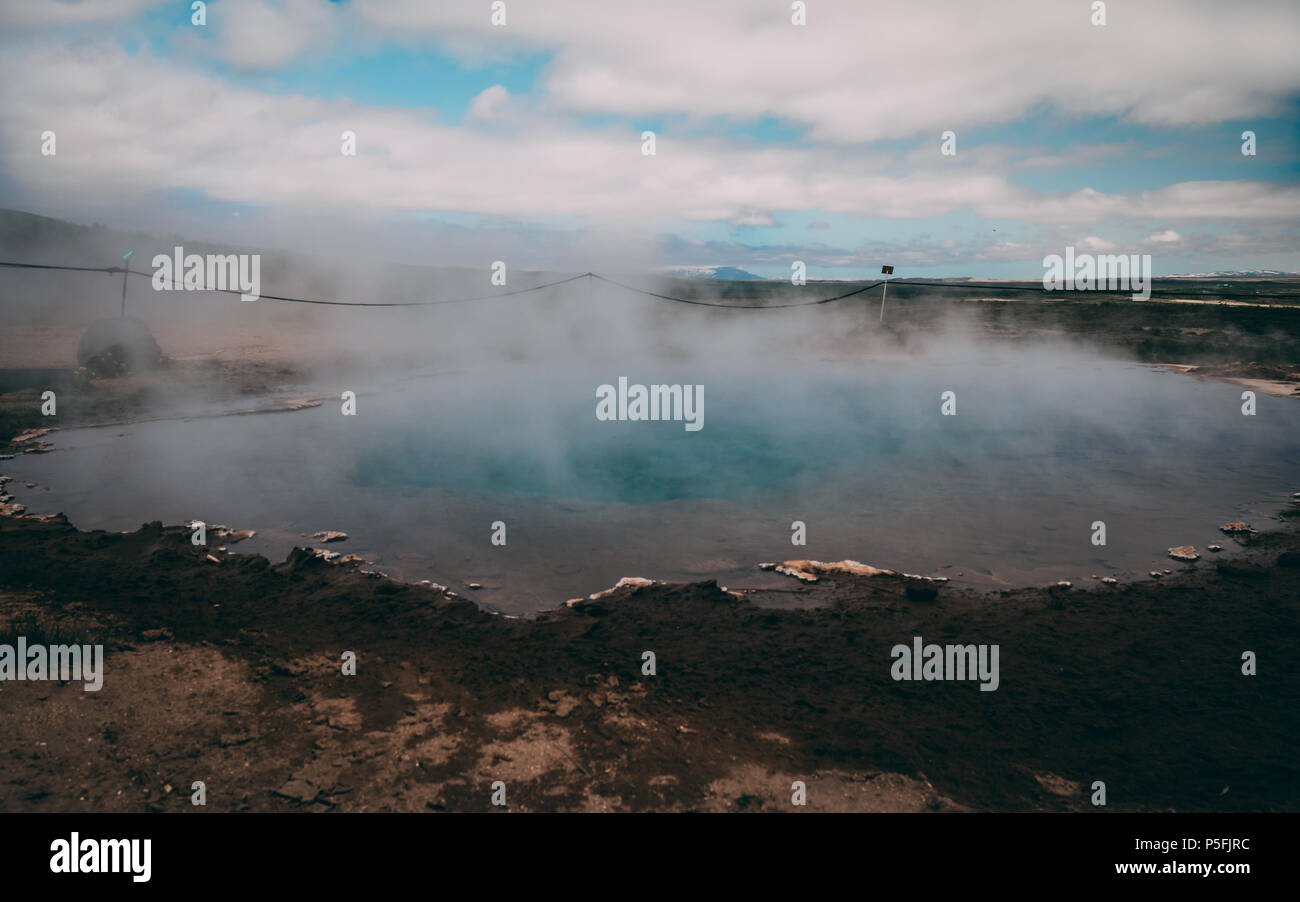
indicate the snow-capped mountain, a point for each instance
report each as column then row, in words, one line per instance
column 1236, row 274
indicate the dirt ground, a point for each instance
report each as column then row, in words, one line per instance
column 230, row 673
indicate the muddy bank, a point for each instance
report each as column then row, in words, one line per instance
column 178, row 389
column 230, row 673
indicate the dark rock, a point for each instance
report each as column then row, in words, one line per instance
column 114, row 347
column 921, row 592
column 1240, row 569
column 299, row 790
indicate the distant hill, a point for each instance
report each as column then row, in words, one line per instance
column 41, row 239
column 31, row 238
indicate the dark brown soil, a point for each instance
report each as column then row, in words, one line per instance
column 229, row 673
column 1276, row 373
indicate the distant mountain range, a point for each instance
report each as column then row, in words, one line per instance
column 1236, row 274
column 727, row 273
column 32, row 238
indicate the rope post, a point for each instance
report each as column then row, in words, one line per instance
column 887, row 271
column 125, row 266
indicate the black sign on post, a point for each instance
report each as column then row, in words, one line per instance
column 887, row 270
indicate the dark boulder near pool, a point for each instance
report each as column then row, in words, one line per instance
column 921, row 592
column 114, row 347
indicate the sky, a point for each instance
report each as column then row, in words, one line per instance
column 774, row 141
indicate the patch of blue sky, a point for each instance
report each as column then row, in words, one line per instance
column 761, row 132
column 804, row 227
column 862, row 239
column 394, row 75
column 403, row 78
column 196, row 205
column 1135, row 157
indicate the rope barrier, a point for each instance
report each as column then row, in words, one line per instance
column 655, row 294
column 272, row 297
column 974, row 286
column 519, row 291
column 485, row 297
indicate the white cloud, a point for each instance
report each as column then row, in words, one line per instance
column 1094, row 245
column 862, row 71
column 264, row 34
column 57, row 13
column 753, row 219
column 132, row 124
column 490, row 104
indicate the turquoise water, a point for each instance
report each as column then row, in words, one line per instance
column 1004, row 492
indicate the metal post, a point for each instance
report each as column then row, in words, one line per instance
column 887, row 271
column 126, row 264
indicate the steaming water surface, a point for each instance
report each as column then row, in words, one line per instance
column 1004, row 492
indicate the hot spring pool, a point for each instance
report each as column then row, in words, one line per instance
column 1002, row 493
